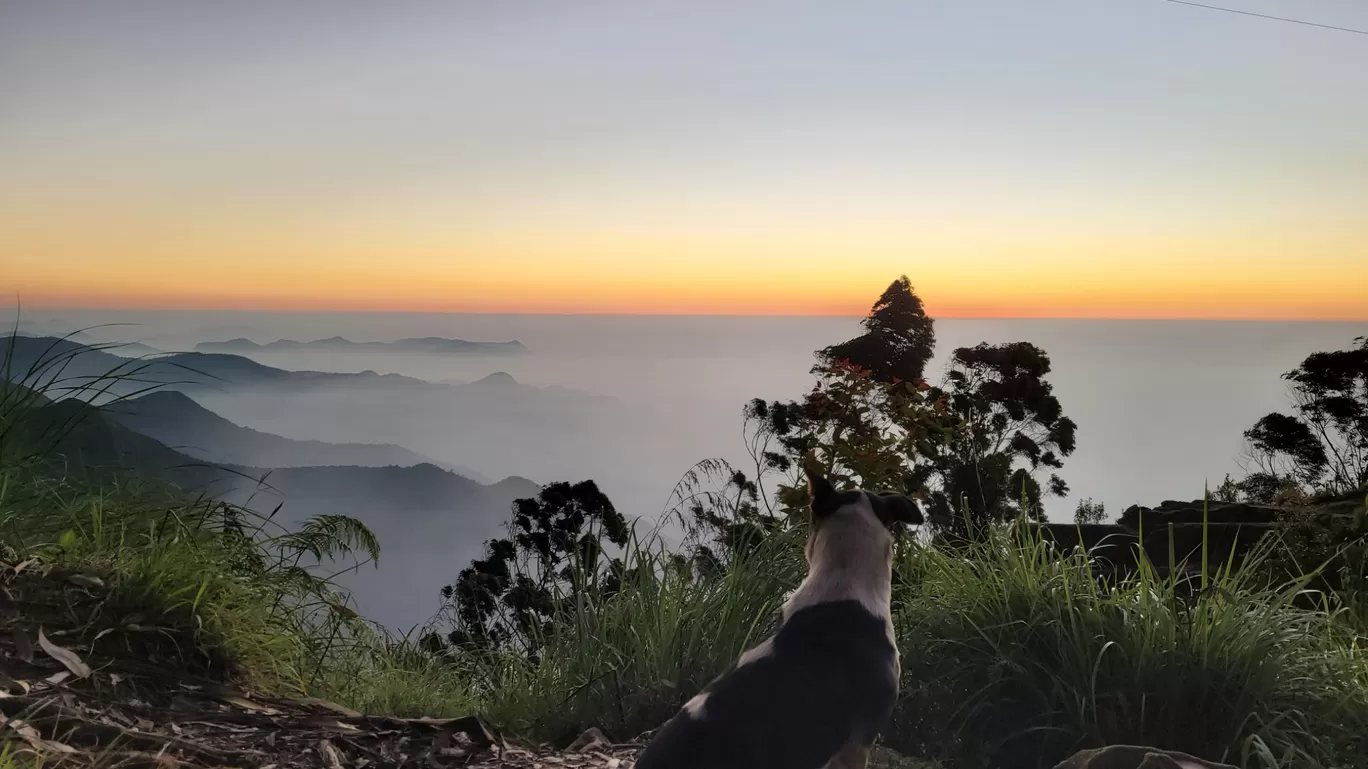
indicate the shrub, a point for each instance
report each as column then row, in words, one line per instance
column 1015, row 657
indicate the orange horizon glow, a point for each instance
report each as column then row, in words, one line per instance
column 851, row 306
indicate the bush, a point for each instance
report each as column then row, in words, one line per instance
column 1016, row 657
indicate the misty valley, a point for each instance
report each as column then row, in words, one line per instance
column 393, row 451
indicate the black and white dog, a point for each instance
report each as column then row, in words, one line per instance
column 817, row 692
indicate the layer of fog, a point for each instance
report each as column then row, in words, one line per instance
column 1160, row 404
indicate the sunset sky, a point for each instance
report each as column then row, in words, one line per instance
column 1111, row 158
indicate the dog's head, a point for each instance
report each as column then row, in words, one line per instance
column 891, row 510
column 858, row 514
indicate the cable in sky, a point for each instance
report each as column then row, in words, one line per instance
column 1274, row 18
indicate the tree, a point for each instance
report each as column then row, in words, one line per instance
column 856, row 431
column 971, row 448
column 1089, row 511
column 1322, row 446
column 898, row 342
column 555, row 548
column 1013, row 426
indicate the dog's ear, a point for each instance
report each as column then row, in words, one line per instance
column 898, row 508
column 823, row 495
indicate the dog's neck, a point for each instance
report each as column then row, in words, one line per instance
column 849, row 558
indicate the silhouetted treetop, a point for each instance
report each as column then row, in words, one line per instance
column 898, row 342
column 1323, row 444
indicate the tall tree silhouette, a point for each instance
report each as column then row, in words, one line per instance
column 1322, row 446
column 972, row 448
column 898, row 342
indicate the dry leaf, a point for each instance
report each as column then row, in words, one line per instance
column 247, row 704
column 330, row 754
column 8, row 686
column 30, row 735
column 54, row 746
column 85, row 580
column 65, row 656
column 56, row 679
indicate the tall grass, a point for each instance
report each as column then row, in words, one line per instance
column 1013, row 656
column 624, row 663
column 1016, row 656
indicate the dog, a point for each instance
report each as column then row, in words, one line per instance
column 817, row 692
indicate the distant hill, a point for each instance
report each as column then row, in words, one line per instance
column 81, row 363
column 429, row 345
column 176, row 420
column 135, row 350
column 430, row 522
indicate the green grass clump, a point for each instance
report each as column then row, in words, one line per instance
column 209, row 590
column 1015, row 656
column 626, row 661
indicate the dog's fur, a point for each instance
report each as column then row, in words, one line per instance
column 818, row 691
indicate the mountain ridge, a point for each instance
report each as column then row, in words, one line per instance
column 421, row 345
column 178, row 421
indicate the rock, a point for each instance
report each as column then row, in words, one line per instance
column 1136, row 757
column 591, row 739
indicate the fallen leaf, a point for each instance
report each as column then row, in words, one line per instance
column 30, row 735
column 57, row 678
column 9, row 685
column 330, row 754
column 85, row 580
column 65, row 656
column 247, row 704
column 25, row 565
column 22, row 648
column 58, row 747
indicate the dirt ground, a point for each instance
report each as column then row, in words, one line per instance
column 79, row 697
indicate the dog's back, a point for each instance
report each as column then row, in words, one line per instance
column 827, row 680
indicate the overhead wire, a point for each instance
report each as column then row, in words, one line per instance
column 1266, row 16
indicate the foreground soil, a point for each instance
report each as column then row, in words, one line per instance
column 72, row 695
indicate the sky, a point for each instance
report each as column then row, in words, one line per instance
column 1051, row 158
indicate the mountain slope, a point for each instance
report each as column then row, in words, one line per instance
column 178, row 421
column 430, row 522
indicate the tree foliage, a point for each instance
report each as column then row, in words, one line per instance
column 1013, row 426
column 1322, row 446
column 898, row 342
column 971, row 448
column 855, row 430
column 1089, row 511
column 555, row 547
